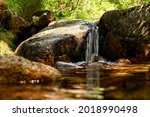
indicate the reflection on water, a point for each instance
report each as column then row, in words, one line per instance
column 148, row 74
column 133, row 87
column 93, row 78
column 119, row 82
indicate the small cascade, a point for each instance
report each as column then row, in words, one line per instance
column 92, row 44
column 92, row 58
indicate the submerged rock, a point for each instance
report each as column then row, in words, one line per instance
column 64, row 65
column 123, row 61
column 126, row 34
column 14, row 68
column 60, row 41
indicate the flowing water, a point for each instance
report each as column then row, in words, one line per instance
column 95, row 80
column 92, row 43
column 92, row 54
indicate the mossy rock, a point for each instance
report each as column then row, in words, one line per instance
column 14, row 69
column 7, row 42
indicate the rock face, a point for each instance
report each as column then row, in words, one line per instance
column 126, row 34
column 60, row 41
column 14, row 68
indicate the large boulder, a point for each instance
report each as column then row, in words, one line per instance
column 126, row 34
column 14, row 69
column 60, row 41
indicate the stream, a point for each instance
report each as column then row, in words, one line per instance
column 115, row 82
column 93, row 79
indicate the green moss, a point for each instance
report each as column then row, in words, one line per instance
column 6, row 42
column 4, row 48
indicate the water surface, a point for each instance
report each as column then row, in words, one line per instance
column 117, row 82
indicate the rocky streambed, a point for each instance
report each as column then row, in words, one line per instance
column 116, row 81
column 50, row 64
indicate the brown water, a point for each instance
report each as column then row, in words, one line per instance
column 117, row 82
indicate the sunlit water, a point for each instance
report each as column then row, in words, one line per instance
column 132, row 82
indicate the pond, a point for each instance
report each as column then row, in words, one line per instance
column 116, row 82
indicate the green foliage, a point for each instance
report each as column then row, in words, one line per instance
column 77, row 9
column 127, row 3
column 14, row 5
column 70, row 9
column 24, row 8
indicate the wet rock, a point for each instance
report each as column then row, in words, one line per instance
column 123, row 61
column 68, row 68
column 126, row 34
column 14, row 68
column 82, row 63
column 60, row 41
column 64, row 65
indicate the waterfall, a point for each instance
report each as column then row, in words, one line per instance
column 92, row 43
column 92, row 53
